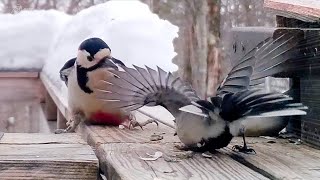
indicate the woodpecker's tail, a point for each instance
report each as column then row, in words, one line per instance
column 133, row 88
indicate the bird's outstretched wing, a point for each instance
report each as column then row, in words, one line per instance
column 66, row 69
column 274, row 55
column 249, row 103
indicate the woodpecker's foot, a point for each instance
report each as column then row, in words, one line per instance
column 72, row 124
column 243, row 149
column 134, row 123
column 60, row 131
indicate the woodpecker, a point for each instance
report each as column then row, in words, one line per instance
column 81, row 75
column 207, row 125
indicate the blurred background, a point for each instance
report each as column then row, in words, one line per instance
column 203, row 46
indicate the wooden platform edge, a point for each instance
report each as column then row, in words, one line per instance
column 60, row 102
column 53, row 91
column 19, row 74
column 304, row 13
column 46, row 156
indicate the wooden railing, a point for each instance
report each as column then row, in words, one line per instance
column 56, row 106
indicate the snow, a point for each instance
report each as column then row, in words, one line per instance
column 47, row 39
column 134, row 34
column 26, row 38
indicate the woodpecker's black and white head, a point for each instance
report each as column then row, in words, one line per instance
column 92, row 51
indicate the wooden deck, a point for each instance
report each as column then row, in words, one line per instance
column 120, row 150
column 46, row 156
column 22, row 94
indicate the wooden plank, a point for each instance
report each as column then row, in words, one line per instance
column 46, row 156
column 56, row 95
column 20, row 89
column 22, row 116
column 121, row 161
column 58, row 161
column 19, row 74
column 41, row 138
column 97, row 134
column 280, row 160
column 50, row 108
column 61, row 121
column 306, row 10
column 1, row 135
column 118, row 150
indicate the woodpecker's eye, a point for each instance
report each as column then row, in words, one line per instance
column 90, row 58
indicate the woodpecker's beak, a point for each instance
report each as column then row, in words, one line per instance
column 117, row 61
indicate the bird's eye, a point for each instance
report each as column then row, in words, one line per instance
column 90, row 58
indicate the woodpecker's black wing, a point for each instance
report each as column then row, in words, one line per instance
column 66, row 69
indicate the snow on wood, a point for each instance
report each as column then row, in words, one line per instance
column 306, row 10
column 134, row 34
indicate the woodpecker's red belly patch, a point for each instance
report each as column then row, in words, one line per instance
column 106, row 118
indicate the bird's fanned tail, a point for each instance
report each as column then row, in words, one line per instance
column 136, row 87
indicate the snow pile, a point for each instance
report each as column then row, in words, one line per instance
column 26, row 38
column 134, row 34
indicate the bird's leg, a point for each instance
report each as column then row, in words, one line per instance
column 72, row 124
column 134, row 123
column 244, row 148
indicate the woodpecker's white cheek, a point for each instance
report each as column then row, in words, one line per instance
column 83, row 61
column 102, row 53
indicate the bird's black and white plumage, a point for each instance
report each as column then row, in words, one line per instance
column 211, row 124
column 81, row 75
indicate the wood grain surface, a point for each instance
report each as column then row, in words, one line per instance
column 46, row 156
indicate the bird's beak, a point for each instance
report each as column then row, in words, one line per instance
column 117, row 61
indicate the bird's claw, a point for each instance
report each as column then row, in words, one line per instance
column 60, row 131
column 71, row 125
column 243, row 149
column 134, row 123
column 149, row 121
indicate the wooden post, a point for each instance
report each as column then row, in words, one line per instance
column 61, row 121
column 50, row 108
